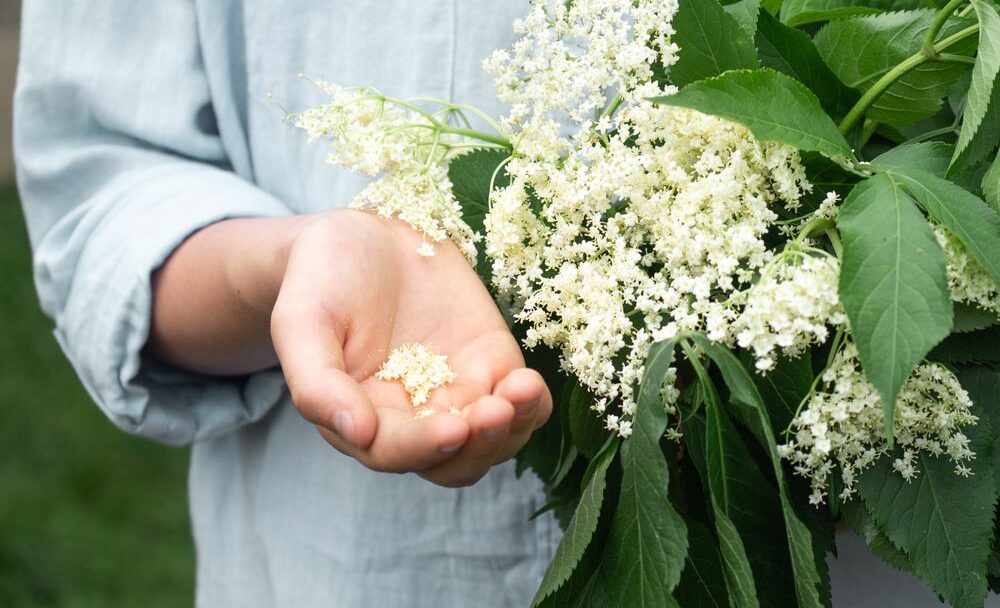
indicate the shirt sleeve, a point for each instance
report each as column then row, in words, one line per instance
column 119, row 159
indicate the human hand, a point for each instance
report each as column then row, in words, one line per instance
column 352, row 290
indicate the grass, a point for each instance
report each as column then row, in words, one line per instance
column 89, row 517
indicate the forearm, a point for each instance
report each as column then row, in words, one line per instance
column 213, row 297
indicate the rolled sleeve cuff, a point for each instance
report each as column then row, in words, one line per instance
column 105, row 321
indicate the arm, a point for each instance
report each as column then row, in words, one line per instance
column 338, row 291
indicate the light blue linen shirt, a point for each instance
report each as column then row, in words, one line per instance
column 137, row 123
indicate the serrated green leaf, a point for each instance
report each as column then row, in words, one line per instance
column 971, row 318
column 581, row 527
column 942, row 521
column 702, row 582
column 722, row 475
column 964, row 214
column 784, row 387
column 801, row 12
column 470, row 176
column 792, row 52
column 744, row 395
column 585, row 425
column 991, row 185
column 736, row 564
column 648, row 543
column 774, row 106
column 745, row 13
column 893, row 284
column 981, row 121
column 861, row 49
column 930, row 156
column 861, row 521
column 711, row 42
column 969, row 348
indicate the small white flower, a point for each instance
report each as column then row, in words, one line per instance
column 420, row 371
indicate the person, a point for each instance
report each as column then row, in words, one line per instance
column 210, row 289
column 188, row 242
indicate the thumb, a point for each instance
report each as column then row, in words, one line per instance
column 309, row 345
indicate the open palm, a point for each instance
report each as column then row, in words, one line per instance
column 354, row 289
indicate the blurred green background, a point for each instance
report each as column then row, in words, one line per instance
column 89, row 517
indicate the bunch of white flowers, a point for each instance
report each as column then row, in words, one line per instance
column 967, row 279
column 842, row 425
column 791, row 308
column 419, row 369
column 406, row 147
column 641, row 223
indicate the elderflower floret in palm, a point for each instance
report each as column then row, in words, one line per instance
column 419, row 369
column 841, row 426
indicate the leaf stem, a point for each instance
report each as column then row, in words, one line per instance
column 889, row 78
column 927, row 48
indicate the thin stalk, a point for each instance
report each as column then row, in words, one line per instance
column 927, row 48
column 953, row 58
column 871, row 95
column 930, row 135
column 493, row 139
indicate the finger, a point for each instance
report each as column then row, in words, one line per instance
column 489, row 419
column 525, row 389
column 406, row 443
column 309, row 347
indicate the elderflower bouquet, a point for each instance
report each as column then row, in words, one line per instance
column 761, row 241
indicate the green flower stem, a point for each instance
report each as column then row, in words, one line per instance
column 939, row 20
column 471, row 134
column 890, row 77
column 952, row 58
column 816, row 225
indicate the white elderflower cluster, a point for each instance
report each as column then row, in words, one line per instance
column 968, row 281
column 419, row 369
column 571, row 56
column 842, row 426
column 624, row 222
column 627, row 242
column 403, row 147
column 790, row 308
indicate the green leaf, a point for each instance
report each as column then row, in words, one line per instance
column 774, row 106
column 981, row 120
column 702, row 582
column 581, row 527
column 711, row 42
column 792, row 52
column 863, row 524
column 585, row 425
column 648, row 542
column 893, row 284
column 470, row 176
column 722, row 474
column 991, row 185
column 930, row 156
column 860, row 50
column 971, row 318
column 801, row 12
column 744, row 395
column 964, row 214
column 736, row 565
column 942, row 521
column 745, row 13
column 974, row 347
column 784, row 387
